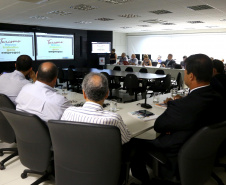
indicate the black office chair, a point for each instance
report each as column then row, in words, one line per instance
column 159, row 72
column 154, row 63
column 117, row 68
column 161, row 85
column 60, row 78
column 74, row 80
column 33, row 141
column 143, row 70
column 86, row 154
column 112, row 85
column 129, row 69
column 7, row 134
column 132, row 86
column 178, row 83
column 197, row 156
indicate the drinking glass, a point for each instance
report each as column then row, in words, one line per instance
column 156, row 96
column 174, row 92
column 113, row 105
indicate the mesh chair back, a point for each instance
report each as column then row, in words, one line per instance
column 179, row 81
column 6, row 132
column 131, row 83
column 129, row 69
column 60, row 75
column 143, row 70
column 117, row 68
column 197, row 155
column 167, row 83
column 33, row 139
column 85, row 153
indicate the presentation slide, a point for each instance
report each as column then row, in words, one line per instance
column 14, row 44
column 54, row 46
column 101, row 47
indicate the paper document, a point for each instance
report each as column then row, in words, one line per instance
column 139, row 116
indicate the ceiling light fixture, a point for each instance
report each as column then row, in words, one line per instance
column 160, row 12
column 200, row 7
column 195, row 22
column 39, row 17
column 83, row 7
column 124, row 27
column 116, row 1
column 129, row 16
column 155, row 21
column 82, row 22
column 143, row 25
column 104, row 19
column 57, row 12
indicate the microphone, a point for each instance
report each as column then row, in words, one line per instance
column 145, row 105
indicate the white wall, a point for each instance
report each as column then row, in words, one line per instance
column 211, row 44
column 119, row 43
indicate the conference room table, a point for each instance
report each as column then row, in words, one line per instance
column 117, row 73
column 135, row 125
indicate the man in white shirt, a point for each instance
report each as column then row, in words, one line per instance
column 41, row 98
column 133, row 60
column 95, row 91
column 12, row 83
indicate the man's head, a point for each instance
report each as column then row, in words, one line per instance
column 146, row 56
column 123, row 55
column 170, row 57
column 133, row 56
column 95, row 87
column 24, row 64
column 184, row 58
column 198, row 70
column 218, row 67
column 47, row 73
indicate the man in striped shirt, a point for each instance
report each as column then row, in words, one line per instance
column 95, row 91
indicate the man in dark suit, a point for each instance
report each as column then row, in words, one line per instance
column 169, row 62
column 182, row 118
column 218, row 82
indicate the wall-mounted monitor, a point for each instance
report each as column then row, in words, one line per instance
column 54, row 46
column 101, row 47
column 14, row 44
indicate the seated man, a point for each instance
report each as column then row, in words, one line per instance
column 41, row 98
column 182, row 118
column 169, row 62
column 218, row 82
column 12, row 83
column 122, row 59
column 95, row 91
column 133, row 60
column 182, row 62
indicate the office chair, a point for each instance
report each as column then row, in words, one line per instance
column 33, row 141
column 7, row 134
column 112, row 85
column 161, row 85
column 178, row 82
column 143, row 70
column 74, row 80
column 117, row 68
column 197, row 156
column 159, row 72
column 60, row 78
column 87, row 154
column 132, row 86
column 129, row 69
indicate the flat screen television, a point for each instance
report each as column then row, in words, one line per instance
column 54, row 46
column 14, row 44
column 101, row 47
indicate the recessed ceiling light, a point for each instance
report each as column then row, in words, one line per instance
column 143, row 25
column 57, row 12
column 155, row 21
column 104, row 19
column 83, row 7
column 200, row 7
column 195, row 22
column 160, row 12
column 82, row 22
column 124, row 27
column 116, row 1
column 129, row 16
column 39, row 17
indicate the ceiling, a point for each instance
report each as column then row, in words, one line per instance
column 40, row 13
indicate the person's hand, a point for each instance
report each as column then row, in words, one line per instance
column 177, row 97
column 163, row 65
column 32, row 75
column 167, row 99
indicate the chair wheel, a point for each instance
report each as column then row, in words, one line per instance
column 1, row 153
column 2, row 167
column 23, row 175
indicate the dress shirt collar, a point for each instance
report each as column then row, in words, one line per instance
column 38, row 83
column 198, row 88
column 19, row 73
column 93, row 105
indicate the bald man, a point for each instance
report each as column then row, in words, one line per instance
column 41, row 98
